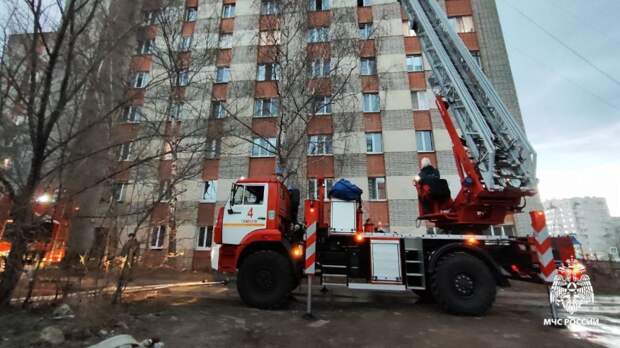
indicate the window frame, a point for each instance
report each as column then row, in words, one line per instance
column 261, row 147
column 267, row 72
column 227, row 12
column 213, row 149
column 368, row 66
column 208, row 242
column 329, row 182
column 183, row 78
column 121, row 192
column 161, row 237
column 373, row 187
column 365, row 31
column 185, row 44
column 320, row 68
column 413, row 67
column 175, row 111
column 141, row 79
column 421, row 99
column 422, row 140
column 318, row 35
column 371, row 138
column 270, row 10
column 222, row 74
column 145, row 47
column 320, row 145
column 325, row 5
column 366, row 102
column 209, row 194
column 191, row 14
column 221, row 109
column 325, row 107
column 259, row 107
column 125, row 152
column 136, row 111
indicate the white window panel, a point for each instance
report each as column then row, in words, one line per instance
column 262, row 147
column 374, row 143
column 204, row 237
column 266, row 107
column 141, row 79
column 322, row 105
column 222, row 75
column 267, row 72
column 415, row 63
column 158, row 236
column 118, row 191
column 228, row 11
column 376, row 189
column 371, row 102
column 132, row 114
column 462, row 24
column 419, row 100
column 209, row 191
column 368, row 67
column 320, row 145
column 125, row 152
column 365, row 31
column 424, row 141
column 269, row 8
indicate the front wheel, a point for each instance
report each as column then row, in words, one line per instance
column 463, row 284
column 265, row 279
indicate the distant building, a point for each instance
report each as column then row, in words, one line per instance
column 588, row 220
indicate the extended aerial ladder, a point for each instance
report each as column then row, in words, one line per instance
column 257, row 234
column 495, row 161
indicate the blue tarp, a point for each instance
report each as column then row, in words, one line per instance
column 345, row 190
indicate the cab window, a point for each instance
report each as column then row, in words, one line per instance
column 238, row 195
column 254, row 195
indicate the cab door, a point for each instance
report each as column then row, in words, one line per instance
column 244, row 212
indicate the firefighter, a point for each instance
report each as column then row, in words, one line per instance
column 131, row 250
column 428, row 175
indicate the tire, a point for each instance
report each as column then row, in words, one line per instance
column 462, row 284
column 265, row 280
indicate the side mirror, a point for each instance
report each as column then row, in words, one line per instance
column 233, row 191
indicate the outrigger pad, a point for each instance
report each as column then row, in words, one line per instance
column 345, row 190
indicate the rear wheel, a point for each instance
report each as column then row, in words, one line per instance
column 463, row 284
column 265, row 279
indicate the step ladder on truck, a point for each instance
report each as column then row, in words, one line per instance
column 257, row 234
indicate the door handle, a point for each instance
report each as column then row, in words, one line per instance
column 261, row 218
column 232, row 212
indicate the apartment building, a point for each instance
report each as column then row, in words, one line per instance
column 588, row 220
column 370, row 116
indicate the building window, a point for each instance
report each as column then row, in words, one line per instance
column 368, row 66
column 168, row 154
column 176, row 111
column 118, row 191
column 125, row 150
column 415, row 63
column 322, row 105
column 365, row 31
column 150, row 17
column 318, row 5
column 165, row 191
column 269, row 38
column 157, row 237
column 209, row 191
column 213, row 149
column 205, row 236
column 476, row 56
column 183, row 78
column 419, row 100
column 218, row 110
column 313, row 191
column 228, row 11
column 269, row 8
column 364, row 3
column 320, row 145
column 408, row 29
column 222, row 75
column 371, row 102
column 376, row 189
column 262, row 147
column 319, row 68
column 185, row 44
column 266, row 107
column 191, row 13
column 141, row 79
column 462, row 24
column 132, row 114
column 145, row 47
column 424, row 141
column 267, row 72
column 319, row 34
column 225, row 41
column 374, row 143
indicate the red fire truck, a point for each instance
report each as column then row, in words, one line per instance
column 258, row 236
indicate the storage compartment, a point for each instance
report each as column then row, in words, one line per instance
column 343, row 217
column 385, row 261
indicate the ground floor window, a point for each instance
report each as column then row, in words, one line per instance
column 205, row 236
column 157, row 237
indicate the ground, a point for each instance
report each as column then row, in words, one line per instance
column 214, row 316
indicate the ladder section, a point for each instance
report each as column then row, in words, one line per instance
column 496, row 142
column 414, row 264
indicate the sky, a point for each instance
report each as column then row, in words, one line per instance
column 564, row 56
column 568, row 82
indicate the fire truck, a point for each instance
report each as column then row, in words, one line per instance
column 259, row 237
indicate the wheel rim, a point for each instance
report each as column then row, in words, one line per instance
column 264, row 280
column 464, row 284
